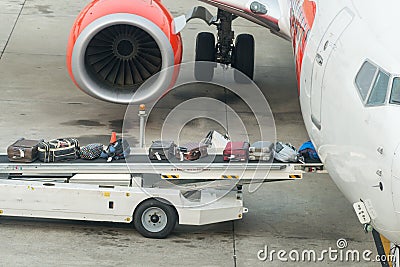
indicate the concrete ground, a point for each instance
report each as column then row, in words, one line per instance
column 38, row 100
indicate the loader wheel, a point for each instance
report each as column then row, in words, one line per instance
column 205, row 52
column 243, row 57
column 154, row 219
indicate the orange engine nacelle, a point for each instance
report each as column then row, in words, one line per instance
column 116, row 45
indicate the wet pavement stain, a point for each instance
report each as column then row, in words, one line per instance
column 44, row 9
column 116, row 125
column 88, row 123
column 182, row 241
column 104, row 139
column 89, row 139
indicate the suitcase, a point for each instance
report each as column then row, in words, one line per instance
column 192, row 151
column 261, row 150
column 59, row 150
column 236, row 151
column 23, row 150
column 160, row 150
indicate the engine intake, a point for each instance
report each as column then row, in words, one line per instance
column 123, row 56
column 110, row 55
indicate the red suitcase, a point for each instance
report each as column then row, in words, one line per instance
column 236, row 151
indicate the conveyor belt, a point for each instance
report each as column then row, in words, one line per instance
column 141, row 158
column 211, row 167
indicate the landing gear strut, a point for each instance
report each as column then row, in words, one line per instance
column 239, row 55
column 383, row 255
column 225, row 37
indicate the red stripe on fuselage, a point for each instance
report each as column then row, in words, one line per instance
column 302, row 15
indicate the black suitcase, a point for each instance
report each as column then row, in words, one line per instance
column 23, row 150
column 160, row 150
column 59, row 150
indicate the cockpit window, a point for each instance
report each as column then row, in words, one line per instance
column 365, row 78
column 395, row 96
column 379, row 90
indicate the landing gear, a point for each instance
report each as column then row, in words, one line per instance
column 243, row 57
column 205, row 54
column 239, row 55
column 380, row 248
column 155, row 219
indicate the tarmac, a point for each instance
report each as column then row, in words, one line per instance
column 39, row 100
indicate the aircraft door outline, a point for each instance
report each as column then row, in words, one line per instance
column 328, row 43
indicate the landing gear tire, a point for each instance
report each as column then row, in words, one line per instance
column 243, row 58
column 205, row 52
column 154, row 219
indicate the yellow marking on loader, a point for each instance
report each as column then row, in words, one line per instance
column 128, row 194
column 1, row 211
column 229, row 177
column 168, row 176
column 106, row 194
column 386, row 247
column 295, row 176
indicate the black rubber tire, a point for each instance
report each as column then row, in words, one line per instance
column 169, row 211
column 205, row 51
column 243, row 57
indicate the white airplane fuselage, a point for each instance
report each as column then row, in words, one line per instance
column 358, row 143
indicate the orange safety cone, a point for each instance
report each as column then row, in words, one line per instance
column 113, row 138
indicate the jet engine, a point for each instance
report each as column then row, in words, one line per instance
column 116, row 45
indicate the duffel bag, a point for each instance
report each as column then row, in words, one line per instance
column 91, row 151
column 59, row 150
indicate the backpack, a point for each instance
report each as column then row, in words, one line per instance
column 308, row 153
column 116, row 151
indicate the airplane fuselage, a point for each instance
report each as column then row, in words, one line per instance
column 355, row 132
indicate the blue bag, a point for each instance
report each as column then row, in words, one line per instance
column 308, row 152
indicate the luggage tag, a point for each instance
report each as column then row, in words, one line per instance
column 157, row 156
column 112, row 151
column 21, row 154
